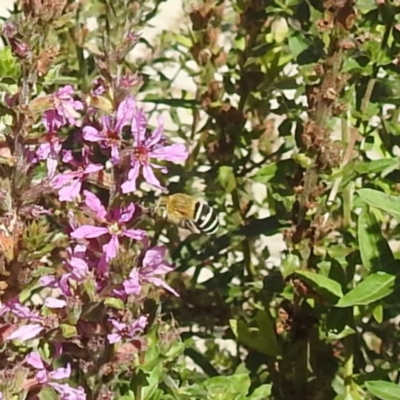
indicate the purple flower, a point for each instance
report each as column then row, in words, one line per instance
column 14, row 307
column 65, row 106
column 153, row 265
column 125, row 331
column 115, row 221
column 146, row 147
column 67, row 392
column 42, row 375
column 78, row 271
column 47, row 378
column 110, row 135
column 70, row 182
column 50, row 149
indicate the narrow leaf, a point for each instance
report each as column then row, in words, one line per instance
column 373, row 288
column 382, row 201
column 374, row 249
column 318, row 282
column 383, row 390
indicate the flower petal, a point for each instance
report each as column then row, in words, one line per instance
column 61, row 373
column 92, row 134
column 51, row 302
column 127, row 213
column 125, row 113
column 111, row 248
column 157, row 134
column 34, row 360
column 160, row 283
column 93, row 168
column 70, row 192
column 88, row 232
column 149, row 176
column 174, row 153
column 67, row 392
column 132, row 285
column 154, row 256
column 136, row 234
column 138, row 127
column 94, row 203
column 26, row 332
column 130, row 184
column 114, row 338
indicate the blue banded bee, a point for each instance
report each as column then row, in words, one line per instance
column 187, row 212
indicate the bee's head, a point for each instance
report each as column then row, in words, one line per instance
column 160, row 208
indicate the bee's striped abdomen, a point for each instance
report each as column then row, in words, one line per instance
column 205, row 218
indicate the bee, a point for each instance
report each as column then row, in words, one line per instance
column 187, row 212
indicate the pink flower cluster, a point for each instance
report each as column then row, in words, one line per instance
column 95, row 245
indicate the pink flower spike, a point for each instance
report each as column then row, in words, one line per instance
column 26, row 332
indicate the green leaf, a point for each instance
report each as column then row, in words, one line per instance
column 376, row 166
column 297, row 45
column 267, row 328
column 261, row 338
column 373, row 288
column 128, row 396
column 114, row 303
column 48, row 393
column 382, row 201
column 377, row 312
column 321, row 283
column 227, row 387
column 68, row 331
column 261, row 393
column 374, row 249
column 383, row 390
column 266, row 173
column 227, row 179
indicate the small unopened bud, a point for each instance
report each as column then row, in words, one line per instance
column 22, row 50
column 9, row 30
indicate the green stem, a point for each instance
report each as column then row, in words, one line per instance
column 349, row 363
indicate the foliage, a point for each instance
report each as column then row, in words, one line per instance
column 290, row 132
